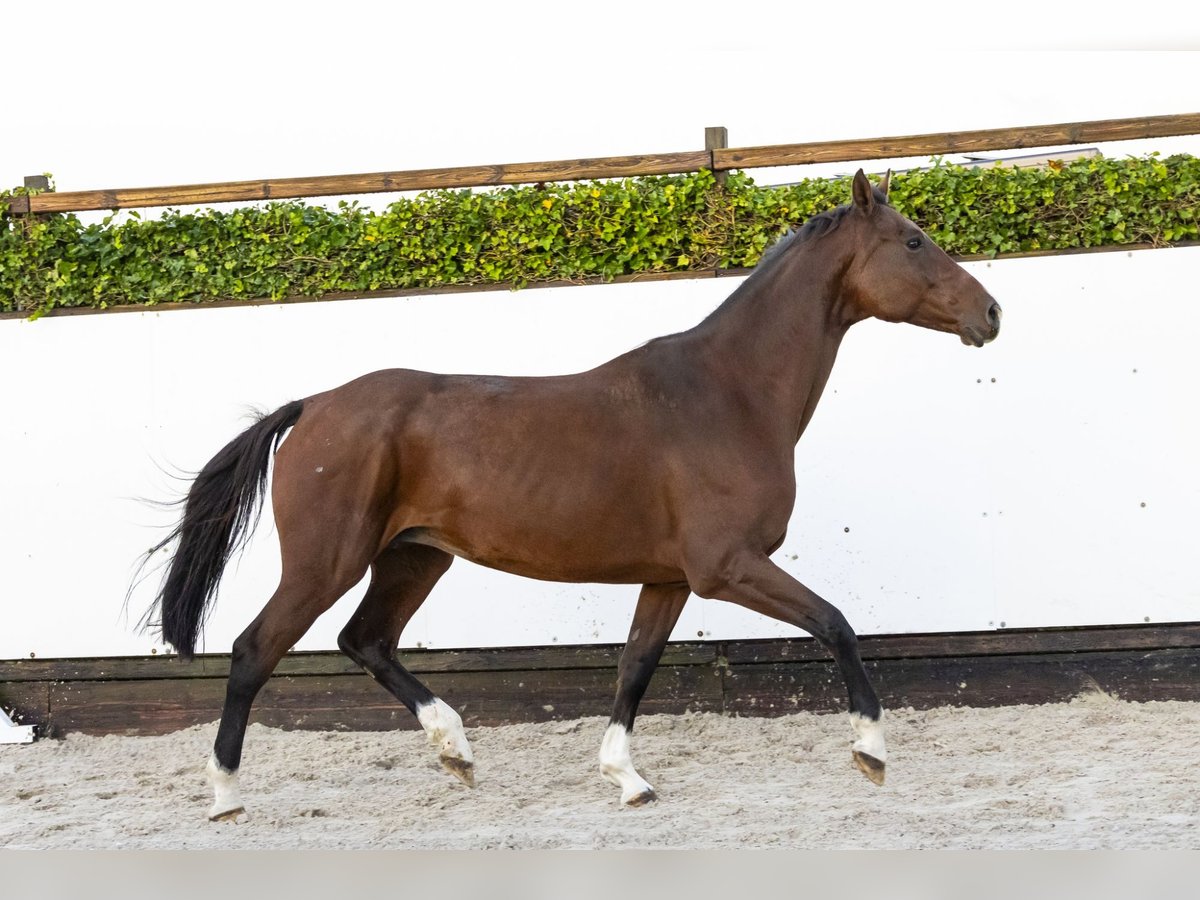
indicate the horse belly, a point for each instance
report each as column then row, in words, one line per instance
column 556, row 525
column 543, row 566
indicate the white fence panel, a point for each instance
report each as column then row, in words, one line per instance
column 1048, row 479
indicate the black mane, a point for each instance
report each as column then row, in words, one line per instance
column 817, row 226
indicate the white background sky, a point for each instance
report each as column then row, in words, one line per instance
column 113, row 93
column 126, row 94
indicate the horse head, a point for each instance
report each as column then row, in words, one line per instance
column 899, row 275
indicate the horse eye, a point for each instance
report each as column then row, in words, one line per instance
column 913, row 243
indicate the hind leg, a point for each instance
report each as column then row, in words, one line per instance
column 401, row 579
column 658, row 609
column 290, row 612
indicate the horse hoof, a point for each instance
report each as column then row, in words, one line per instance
column 644, row 798
column 461, row 769
column 236, row 815
column 869, row 766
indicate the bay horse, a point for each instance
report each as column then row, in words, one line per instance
column 670, row 466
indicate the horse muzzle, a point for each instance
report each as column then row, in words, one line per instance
column 974, row 336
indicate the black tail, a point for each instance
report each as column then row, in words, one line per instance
column 219, row 514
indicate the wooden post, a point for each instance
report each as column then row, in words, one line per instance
column 19, row 205
column 716, row 138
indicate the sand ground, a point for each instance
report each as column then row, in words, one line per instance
column 1097, row 772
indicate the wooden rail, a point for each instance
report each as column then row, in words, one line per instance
column 717, row 157
column 958, row 142
column 155, row 695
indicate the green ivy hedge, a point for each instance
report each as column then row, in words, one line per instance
column 595, row 230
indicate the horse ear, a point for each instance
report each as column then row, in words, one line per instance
column 864, row 197
column 885, row 182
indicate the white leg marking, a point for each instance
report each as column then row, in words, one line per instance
column 445, row 730
column 227, row 798
column 617, row 766
column 870, row 736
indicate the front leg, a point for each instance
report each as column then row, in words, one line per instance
column 658, row 609
column 751, row 580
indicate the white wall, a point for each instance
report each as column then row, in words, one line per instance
column 1050, row 478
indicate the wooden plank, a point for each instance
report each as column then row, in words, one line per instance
column 132, row 707
column 127, row 668
column 957, row 142
column 561, row 657
column 983, row 681
column 492, row 698
column 617, row 167
column 27, row 704
column 372, row 183
column 356, row 702
column 978, row 643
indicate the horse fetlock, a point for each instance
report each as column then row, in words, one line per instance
column 616, row 766
column 444, row 728
column 870, row 750
column 227, row 798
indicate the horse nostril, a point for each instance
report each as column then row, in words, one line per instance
column 993, row 314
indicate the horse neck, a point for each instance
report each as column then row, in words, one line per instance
column 776, row 338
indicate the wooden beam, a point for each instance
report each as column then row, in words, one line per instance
column 356, row 702
column 372, row 183
column 152, row 695
column 324, row 663
column 958, row 142
column 716, row 156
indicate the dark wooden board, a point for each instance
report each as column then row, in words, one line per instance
column 356, row 702
column 978, row 643
column 983, row 681
column 967, row 643
column 585, row 656
column 147, row 695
